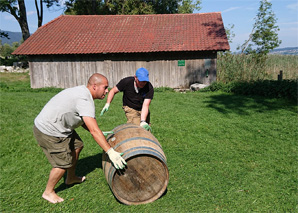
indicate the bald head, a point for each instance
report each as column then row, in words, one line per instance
column 98, row 86
column 97, row 79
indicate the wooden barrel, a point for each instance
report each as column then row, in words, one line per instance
column 146, row 175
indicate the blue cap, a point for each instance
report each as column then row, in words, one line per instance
column 142, row 74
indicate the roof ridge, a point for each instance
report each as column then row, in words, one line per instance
column 59, row 17
column 175, row 14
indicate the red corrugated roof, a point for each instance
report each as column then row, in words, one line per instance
column 91, row 34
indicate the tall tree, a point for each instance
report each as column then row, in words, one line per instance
column 188, row 6
column 264, row 35
column 132, row 7
column 17, row 9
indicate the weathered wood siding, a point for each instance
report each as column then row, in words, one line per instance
column 64, row 71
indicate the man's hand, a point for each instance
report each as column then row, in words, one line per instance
column 107, row 133
column 146, row 126
column 105, row 109
column 117, row 160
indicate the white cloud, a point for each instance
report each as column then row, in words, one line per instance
column 231, row 9
column 293, row 6
column 9, row 17
column 288, row 23
column 31, row 13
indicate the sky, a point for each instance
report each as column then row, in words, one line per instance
column 240, row 13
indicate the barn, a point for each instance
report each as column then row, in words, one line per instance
column 177, row 49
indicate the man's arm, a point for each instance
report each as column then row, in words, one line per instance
column 96, row 133
column 111, row 94
column 145, row 109
column 144, row 114
column 100, row 139
column 110, row 97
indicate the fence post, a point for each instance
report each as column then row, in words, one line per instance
column 279, row 77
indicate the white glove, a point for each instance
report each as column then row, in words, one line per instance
column 105, row 109
column 116, row 158
column 146, row 126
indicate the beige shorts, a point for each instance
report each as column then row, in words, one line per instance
column 58, row 150
column 134, row 116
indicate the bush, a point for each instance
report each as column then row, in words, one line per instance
column 267, row 88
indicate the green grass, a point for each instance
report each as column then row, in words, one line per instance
column 224, row 152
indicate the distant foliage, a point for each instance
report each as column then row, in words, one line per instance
column 6, row 51
column 266, row 88
column 130, row 7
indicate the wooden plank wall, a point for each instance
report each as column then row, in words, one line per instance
column 69, row 71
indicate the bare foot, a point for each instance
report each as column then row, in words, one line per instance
column 52, row 197
column 75, row 180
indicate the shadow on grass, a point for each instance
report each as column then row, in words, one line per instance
column 84, row 167
column 245, row 105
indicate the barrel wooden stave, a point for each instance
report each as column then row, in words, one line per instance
column 146, row 175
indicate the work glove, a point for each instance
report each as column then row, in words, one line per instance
column 117, row 160
column 146, row 126
column 107, row 133
column 105, row 109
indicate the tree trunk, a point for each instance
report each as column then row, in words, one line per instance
column 23, row 20
column 39, row 13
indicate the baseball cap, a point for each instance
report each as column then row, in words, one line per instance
column 142, row 74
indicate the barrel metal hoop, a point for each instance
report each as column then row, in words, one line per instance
column 158, row 154
column 112, row 170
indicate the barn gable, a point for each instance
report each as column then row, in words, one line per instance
column 177, row 49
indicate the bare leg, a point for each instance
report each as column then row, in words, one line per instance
column 71, row 176
column 49, row 193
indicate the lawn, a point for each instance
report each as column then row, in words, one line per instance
column 224, row 152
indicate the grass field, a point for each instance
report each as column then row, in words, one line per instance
column 225, row 153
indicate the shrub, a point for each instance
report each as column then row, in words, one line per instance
column 267, row 88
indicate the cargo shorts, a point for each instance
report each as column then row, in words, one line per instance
column 58, row 150
column 134, row 116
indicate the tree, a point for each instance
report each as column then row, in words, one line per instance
column 129, row 7
column 264, row 34
column 187, row 6
column 230, row 33
column 17, row 9
column 4, row 35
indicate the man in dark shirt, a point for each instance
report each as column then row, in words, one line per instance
column 137, row 95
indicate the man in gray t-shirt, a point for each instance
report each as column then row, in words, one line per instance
column 54, row 130
column 64, row 112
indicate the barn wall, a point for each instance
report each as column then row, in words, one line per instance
column 175, row 70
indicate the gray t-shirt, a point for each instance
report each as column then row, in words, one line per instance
column 64, row 112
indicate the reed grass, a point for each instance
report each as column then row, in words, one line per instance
column 233, row 67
